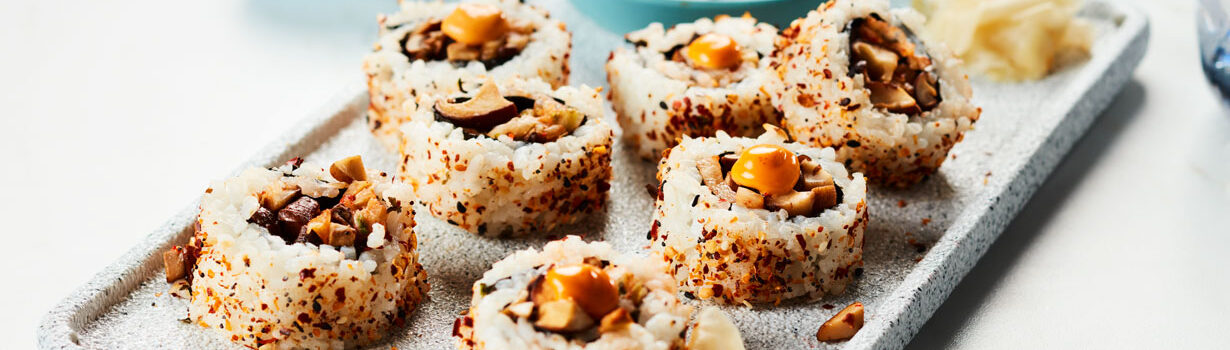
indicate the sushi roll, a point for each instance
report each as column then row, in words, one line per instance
column 302, row 256
column 577, row 295
column 853, row 76
column 692, row 79
column 511, row 158
column 758, row 220
column 432, row 46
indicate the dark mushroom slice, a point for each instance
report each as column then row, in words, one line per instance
column 264, row 217
column 824, row 197
column 295, row 216
column 895, row 71
column 178, row 263
column 926, row 91
column 482, row 112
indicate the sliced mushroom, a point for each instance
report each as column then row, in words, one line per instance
column 813, row 176
column 462, row 52
column 546, row 133
column 891, row 97
column 749, row 199
column 349, row 169
column 482, row 112
column 925, row 91
column 177, row 262
column 711, row 173
column 880, row 61
column 614, row 321
column 278, row 195
column 825, row 197
column 795, row 203
column 515, row 128
column 562, row 316
column 728, row 161
column 341, row 235
column 843, row 325
column 520, row 310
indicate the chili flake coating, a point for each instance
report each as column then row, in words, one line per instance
column 827, row 103
column 262, row 291
column 499, row 186
column 659, row 96
column 399, row 70
column 718, row 249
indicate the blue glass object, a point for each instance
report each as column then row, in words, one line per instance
column 1213, row 27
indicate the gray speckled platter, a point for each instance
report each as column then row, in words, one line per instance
column 919, row 244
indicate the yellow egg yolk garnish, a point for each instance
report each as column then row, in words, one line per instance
column 713, row 51
column 770, row 169
column 474, row 24
column 585, row 284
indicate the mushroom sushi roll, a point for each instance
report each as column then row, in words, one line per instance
column 432, row 46
column 302, row 256
column 692, row 79
column 511, row 158
column 578, row 295
column 853, row 76
column 758, row 220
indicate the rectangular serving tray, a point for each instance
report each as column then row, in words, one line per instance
column 919, row 244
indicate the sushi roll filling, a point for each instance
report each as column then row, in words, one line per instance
column 706, row 60
column 536, row 118
column 770, row 177
column 579, row 301
column 896, row 71
column 472, row 32
column 343, row 220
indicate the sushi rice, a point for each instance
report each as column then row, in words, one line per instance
column 502, row 186
column 261, row 291
column 660, row 320
column 394, row 80
column 726, row 252
column 659, row 100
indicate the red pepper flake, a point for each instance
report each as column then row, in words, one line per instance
column 926, row 221
column 901, row 203
column 828, row 306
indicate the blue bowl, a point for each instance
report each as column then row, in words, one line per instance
column 622, row 16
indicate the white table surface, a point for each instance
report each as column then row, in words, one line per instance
column 116, row 114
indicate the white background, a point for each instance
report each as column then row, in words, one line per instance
column 117, row 114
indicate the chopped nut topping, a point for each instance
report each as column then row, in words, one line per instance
column 843, row 325
column 349, row 169
column 614, row 321
column 520, row 310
